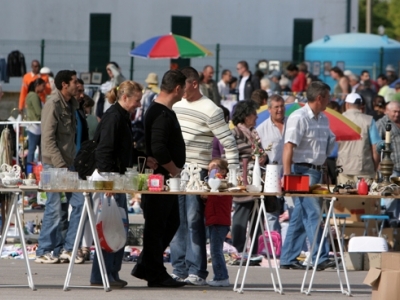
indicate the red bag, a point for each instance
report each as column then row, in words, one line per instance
column 276, row 241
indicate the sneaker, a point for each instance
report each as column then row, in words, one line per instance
column 195, row 280
column 177, row 278
column 66, row 256
column 46, row 259
column 86, row 252
column 224, row 282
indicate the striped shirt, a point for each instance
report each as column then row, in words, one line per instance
column 200, row 121
column 311, row 134
column 270, row 135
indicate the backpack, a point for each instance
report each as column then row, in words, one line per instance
column 276, row 241
column 85, row 160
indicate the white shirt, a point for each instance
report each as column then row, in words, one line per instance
column 270, row 134
column 241, row 87
column 312, row 136
column 223, row 89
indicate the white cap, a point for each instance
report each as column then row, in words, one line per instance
column 347, row 73
column 353, row 97
column 45, row 70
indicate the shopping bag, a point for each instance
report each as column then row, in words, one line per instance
column 110, row 226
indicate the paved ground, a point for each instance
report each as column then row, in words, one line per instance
column 49, row 281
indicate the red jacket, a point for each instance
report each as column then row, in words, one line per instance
column 299, row 83
column 218, row 210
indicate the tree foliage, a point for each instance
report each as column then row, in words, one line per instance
column 394, row 16
column 385, row 13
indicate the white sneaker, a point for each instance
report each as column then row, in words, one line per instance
column 66, row 255
column 177, row 278
column 224, row 282
column 46, row 259
column 195, row 280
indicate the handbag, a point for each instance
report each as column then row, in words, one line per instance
column 85, row 160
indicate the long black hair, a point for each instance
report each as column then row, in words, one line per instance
column 32, row 86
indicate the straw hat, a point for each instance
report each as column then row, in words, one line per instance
column 152, row 78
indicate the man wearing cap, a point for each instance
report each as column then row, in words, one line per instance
column 275, row 76
column 27, row 79
column 391, row 73
column 358, row 158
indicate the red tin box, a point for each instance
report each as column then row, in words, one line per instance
column 296, row 183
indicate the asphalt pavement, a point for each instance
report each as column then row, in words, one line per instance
column 49, row 281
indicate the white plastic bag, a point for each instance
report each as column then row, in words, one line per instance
column 110, row 226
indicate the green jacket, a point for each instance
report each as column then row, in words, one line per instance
column 33, row 106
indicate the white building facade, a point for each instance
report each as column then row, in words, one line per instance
column 249, row 30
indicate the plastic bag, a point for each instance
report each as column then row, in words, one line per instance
column 110, row 226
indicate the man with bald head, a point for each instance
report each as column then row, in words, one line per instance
column 27, row 79
column 392, row 114
column 208, row 86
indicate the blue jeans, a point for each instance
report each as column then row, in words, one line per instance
column 217, row 237
column 303, row 223
column 112, row 261
column 51, row 236
column 392, row 205
column 34, row 140
column 188, row 247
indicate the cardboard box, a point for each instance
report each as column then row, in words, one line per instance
column 385, row 282
column 356, row 208
column 353, row 260
column 372, row 260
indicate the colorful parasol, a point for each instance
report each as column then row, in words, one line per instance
column 170, row 46
column 342, row 127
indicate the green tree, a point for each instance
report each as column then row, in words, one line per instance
column 380, row 16
column 394, row 17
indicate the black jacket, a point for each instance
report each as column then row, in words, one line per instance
column 252, row 84
column 16, row 66
column 115, row 146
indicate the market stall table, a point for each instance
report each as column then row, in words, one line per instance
column 87, row 210
column 14, row 211
column 330, row 213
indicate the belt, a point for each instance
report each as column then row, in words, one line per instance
column 310, row 166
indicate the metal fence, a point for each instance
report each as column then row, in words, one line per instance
column 58, row 55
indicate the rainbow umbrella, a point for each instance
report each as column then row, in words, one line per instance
column 342, row 127
column 170, row 46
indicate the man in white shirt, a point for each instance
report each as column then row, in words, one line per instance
column 308, row 141
column 248, row 83
column 223, row 84
column 271, row 134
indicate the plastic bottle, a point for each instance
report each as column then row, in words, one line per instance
column 362, row 187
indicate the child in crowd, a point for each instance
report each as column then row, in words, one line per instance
column 218, row 220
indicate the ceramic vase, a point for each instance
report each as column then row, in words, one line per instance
column 256, row 172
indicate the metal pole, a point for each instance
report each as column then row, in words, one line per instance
column 348, row 16
column 381, row 53
column 131, row 69
column 217, row 49
column 42, row 53
column 368, row 17
column 300, row 59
